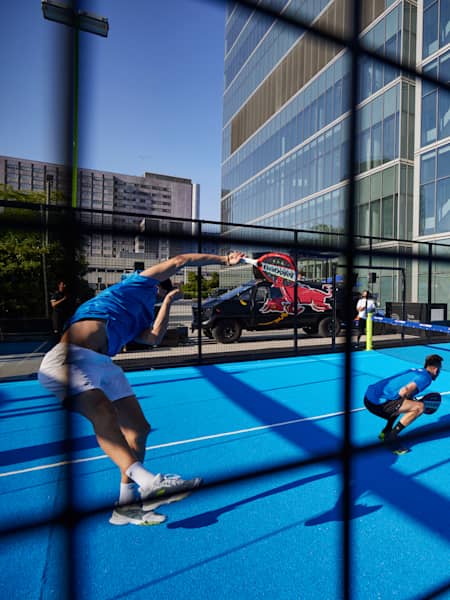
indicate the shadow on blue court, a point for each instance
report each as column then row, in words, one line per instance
column 212, row 516
column 373, row 472
column 63, row 448
column 273, row 535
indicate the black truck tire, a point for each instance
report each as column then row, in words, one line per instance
column 227, row 331
column 326, row 327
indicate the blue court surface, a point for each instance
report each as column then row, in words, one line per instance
column 277, row 535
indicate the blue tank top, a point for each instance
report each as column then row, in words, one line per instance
column 127, row 308
column 388, row 389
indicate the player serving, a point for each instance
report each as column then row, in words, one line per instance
column 396, row 395
column 80, row 372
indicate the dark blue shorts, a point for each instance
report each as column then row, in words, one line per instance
column 385, row 410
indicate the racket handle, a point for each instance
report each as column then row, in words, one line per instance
column 250, row 261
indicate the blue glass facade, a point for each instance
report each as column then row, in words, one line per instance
column 262, row 43
column 436, row 102
column 292, row 171
column 316, row 165
column 314, row 108
column 434, row 158
column 385, row 38
column 435, row 191
column 436, row 26
column 378, row 130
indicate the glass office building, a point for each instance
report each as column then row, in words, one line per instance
column 432, row 174
column 434, row 124
column 286, row 120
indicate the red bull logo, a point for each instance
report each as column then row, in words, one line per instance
column 280, row 270
column 316, row 298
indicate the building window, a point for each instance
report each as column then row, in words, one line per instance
column 436, row 26
column 436, row 102
column 435, row 191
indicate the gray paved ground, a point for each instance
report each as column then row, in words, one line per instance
column 25, row 363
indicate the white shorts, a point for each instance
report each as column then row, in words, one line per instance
column 68, row 370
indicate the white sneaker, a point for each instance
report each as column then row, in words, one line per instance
column 133, row 514
column 167, row 489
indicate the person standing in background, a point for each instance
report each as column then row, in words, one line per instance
column 366, row 304
column 62, row 307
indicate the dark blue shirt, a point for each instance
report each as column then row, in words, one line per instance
column 389, row 388
column 126, row 307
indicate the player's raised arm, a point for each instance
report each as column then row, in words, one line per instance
column 169, row 267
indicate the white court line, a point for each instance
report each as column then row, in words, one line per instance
column 180, row 442
column 190, row 441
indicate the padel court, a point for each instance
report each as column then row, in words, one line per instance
column 275, row 535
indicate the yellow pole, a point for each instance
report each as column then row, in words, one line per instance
column 369, row 331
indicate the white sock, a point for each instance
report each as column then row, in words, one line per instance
column 140, row 475
column 128, row 493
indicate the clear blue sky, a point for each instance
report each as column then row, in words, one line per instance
column 150, row 93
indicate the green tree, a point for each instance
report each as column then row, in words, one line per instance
column 21, row 272
column 190, row 288
column 213, row 281
column 34, row 197
column 21, row 258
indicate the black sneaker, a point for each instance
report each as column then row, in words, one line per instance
column 392, row 442
column 390, row 437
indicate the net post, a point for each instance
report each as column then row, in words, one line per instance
column 369, row 331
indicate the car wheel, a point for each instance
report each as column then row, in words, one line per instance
column 326, row 327
column 227, row 332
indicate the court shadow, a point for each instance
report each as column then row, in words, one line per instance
column 427, row 431
column 375, row 476
column 374, row 473
column 26, row 412
column 52, row 449
column 59, row 448
column 11, row 406
column 375, row 465
column 336, row 513
column 212, row 516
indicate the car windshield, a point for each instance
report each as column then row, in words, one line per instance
column 237, row 291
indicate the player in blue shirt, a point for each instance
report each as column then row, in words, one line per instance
column 80, row 372
column 395, row 396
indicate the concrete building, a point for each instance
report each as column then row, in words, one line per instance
column 118, row 201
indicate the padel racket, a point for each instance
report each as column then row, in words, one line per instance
column 275, row 267
column 431, row 401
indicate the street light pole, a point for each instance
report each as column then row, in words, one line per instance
column 79, row 21
column 49, row 181
column 48, row 200
column 76, row 48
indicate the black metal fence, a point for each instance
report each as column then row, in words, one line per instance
column 59, row 229
column 416, row 278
